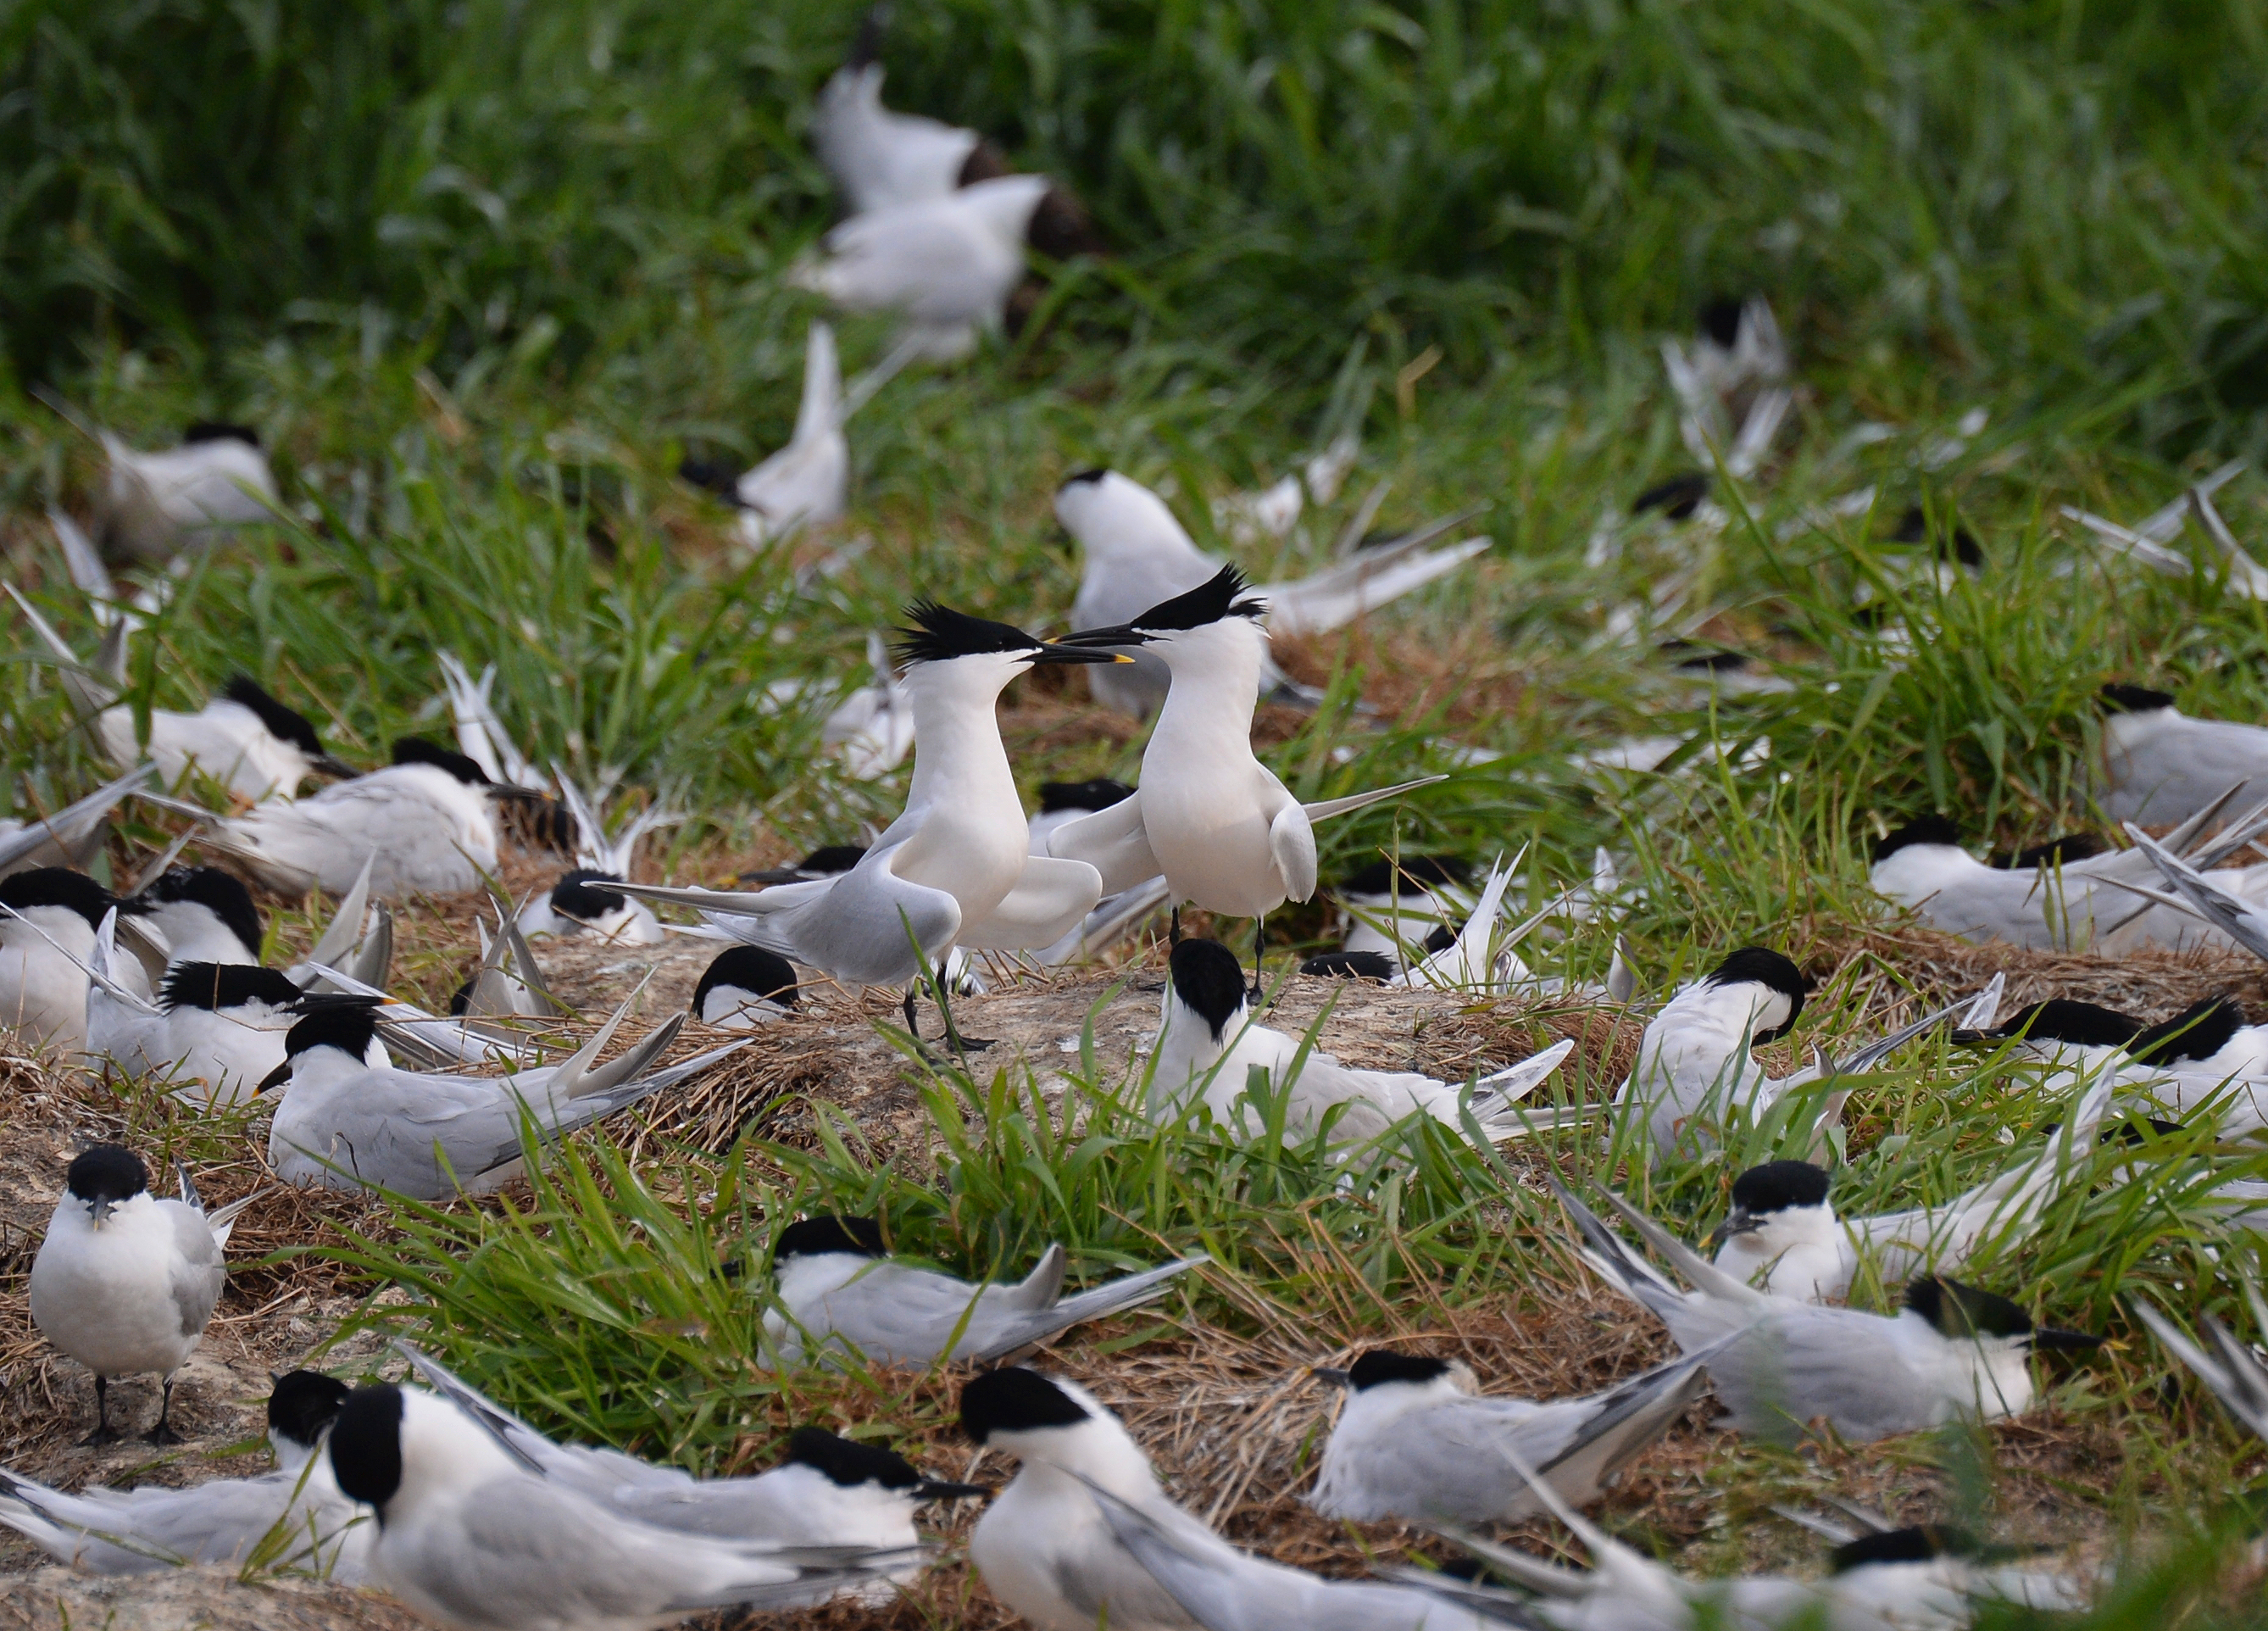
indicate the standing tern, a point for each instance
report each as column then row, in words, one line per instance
column 297, row 1508
column 745, row 986
column 125, row 1282
column 1416, row 1440
column 836, row 1289
column 955, row 867
column 48, row 919
column 474, row 1537
column 1209, row 1044
column 1952, row 1351
column 1138, row 554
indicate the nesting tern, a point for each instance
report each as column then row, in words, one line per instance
column 746, row 986
column 1416, row 1440
column 1136, row 554
column 215, row 1032
column 955, row 867
column 1063, row 802
column 1952, row 1351
column 584, row 903
column 835, row 1289
column 1693, row 1062
column 155, row 504
column 1209, row 1044
column 48, row 919
column 203, row 914
column 294, row 1514
column 474, row 1537
column 807, row 482
column 1390, row 905
column 125, row 1282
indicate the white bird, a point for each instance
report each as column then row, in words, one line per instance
column 1209, row 1044
column 342, row 1124
column 955, row 868
column 1694, row 1068
column 1739, row 348
column 1136, row 554
column 582, row 904
column 2205, row 1055
column 1418, row 1441
column 49, row 919
column 155, row 504
column 836, row 1289
column 473, row 1537
column 70, row 835
column 219, row 1032
column 202, row 914
column 880, row 158
column 1783, row 1236
column 1209, row 817
column 1390, row 905
column 807, row 482
column 946, row 266
column 125, row 1282
column 872, row 728
column 829, row 1492
column 1043, row 1545
column 1952, row 1351
column 294, row 1515
column 1063, row 802
column 746, row 986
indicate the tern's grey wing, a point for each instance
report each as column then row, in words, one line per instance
column 1841, row 1363
column 894, row 1313
column 198, row 1272
column 857, row 930
column 1114, row 842
column 1052, row 898
column 1002, row 1328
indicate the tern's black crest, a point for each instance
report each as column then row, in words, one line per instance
column 217, row 892
column 347, row 1023
column 866, row 44
column 1098, row 794
column 2082, row 1024
column 1959, row 1310
column 1927, row 829
column 279, row 721
column 218, row 431
column 2198, row 1032
column 1777, row 1185
column 1919, row 1545
column 1091, row 477
column 60, row 886
column 217, row 985
column 2060, row 851
column 582, row 895
column 1383, row 1365
column 1720, row 320
column 832, row 858
column 1210, row 602
column 367, row 1446
column 1763, row 966
column 1411, row 875
column 2122, row 699
column 305, row 1402
column 751, row 969
column 1207, row 978
column 1374, row 966
column 939, row 634
column 810, row 1237
column 1013, row 1399
column 108, row 1172
column 1677, row 497
column 417, row 750
column 848, row 1463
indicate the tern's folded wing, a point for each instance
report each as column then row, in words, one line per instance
column 1052, row 898
column 1114, row 842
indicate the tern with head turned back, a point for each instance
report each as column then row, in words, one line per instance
column 954, row 869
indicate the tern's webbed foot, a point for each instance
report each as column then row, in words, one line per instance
column 101, row 1435
column 974, row 1044
column 163, row 1435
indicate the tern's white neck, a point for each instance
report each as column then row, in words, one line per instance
column 1098, row 1447
column 959, row 760
column 1186, row 1046
column 1741, row 1008
column 1921, row 871
column 1215, row 688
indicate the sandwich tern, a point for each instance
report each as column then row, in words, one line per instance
column 49, row 919
column 879, row 158
column 1063, row 802
column 746, row 986
column 2147, row 540
column 1952, row 1351
column 215, row 1032
column 1390, row 905
column 835, row 1289
column 203, row 915
column 1209, row 1044
column 1694, row 1067
column 581, row 904
column 155, row 504
column 474, row 1537
column 124, row 1282
column 807, row 482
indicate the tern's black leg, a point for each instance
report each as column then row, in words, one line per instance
column 912, row 1028
column 1174, row 937
column 960, row 1044
column 1259, row 952
column 163, row 1434
column 102, row 1435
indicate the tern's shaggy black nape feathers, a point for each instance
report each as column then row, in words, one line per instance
column 1959, row 1310
column 581, row 895
column 1777, row 1185
column 1719, row 318
column 1407, row 876
column 812, row 1237
column 1209, row 980
column 1013, row 1399
column 1921, row 1544
column 848, row 1463
column 1098, row 794
column 217, row 892
column 1926, row 829
column 218, row 431
column 110, row 1172
column 1383, row 1365
column 219, row 985
column 417, row 750
column 1088, row 476
column 939, row 634
column 833, row 858
column 1677, row 496
column 367, row 1446
column 60, row 886
column 1762, row 966
column 279, row 721
column 2198, row 1032
column 1210, row 602
column 2082, row 1024
column 1373, row 965
column 305, row 1402
column 347, row 1023
column 2123, row 698
column 751, row 969
column 2060, row 851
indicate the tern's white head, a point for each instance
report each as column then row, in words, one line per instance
column 106, row 1180
column 1778, row 1207
column 336, row 1036
column 394, row 1448
column 1383, row 1381
column 1050, row 1422
column 291, row 734
column 746, row 986
column 1756, row 988
column 1114, row 517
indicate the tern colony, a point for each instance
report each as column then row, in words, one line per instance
column 476, row 1519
